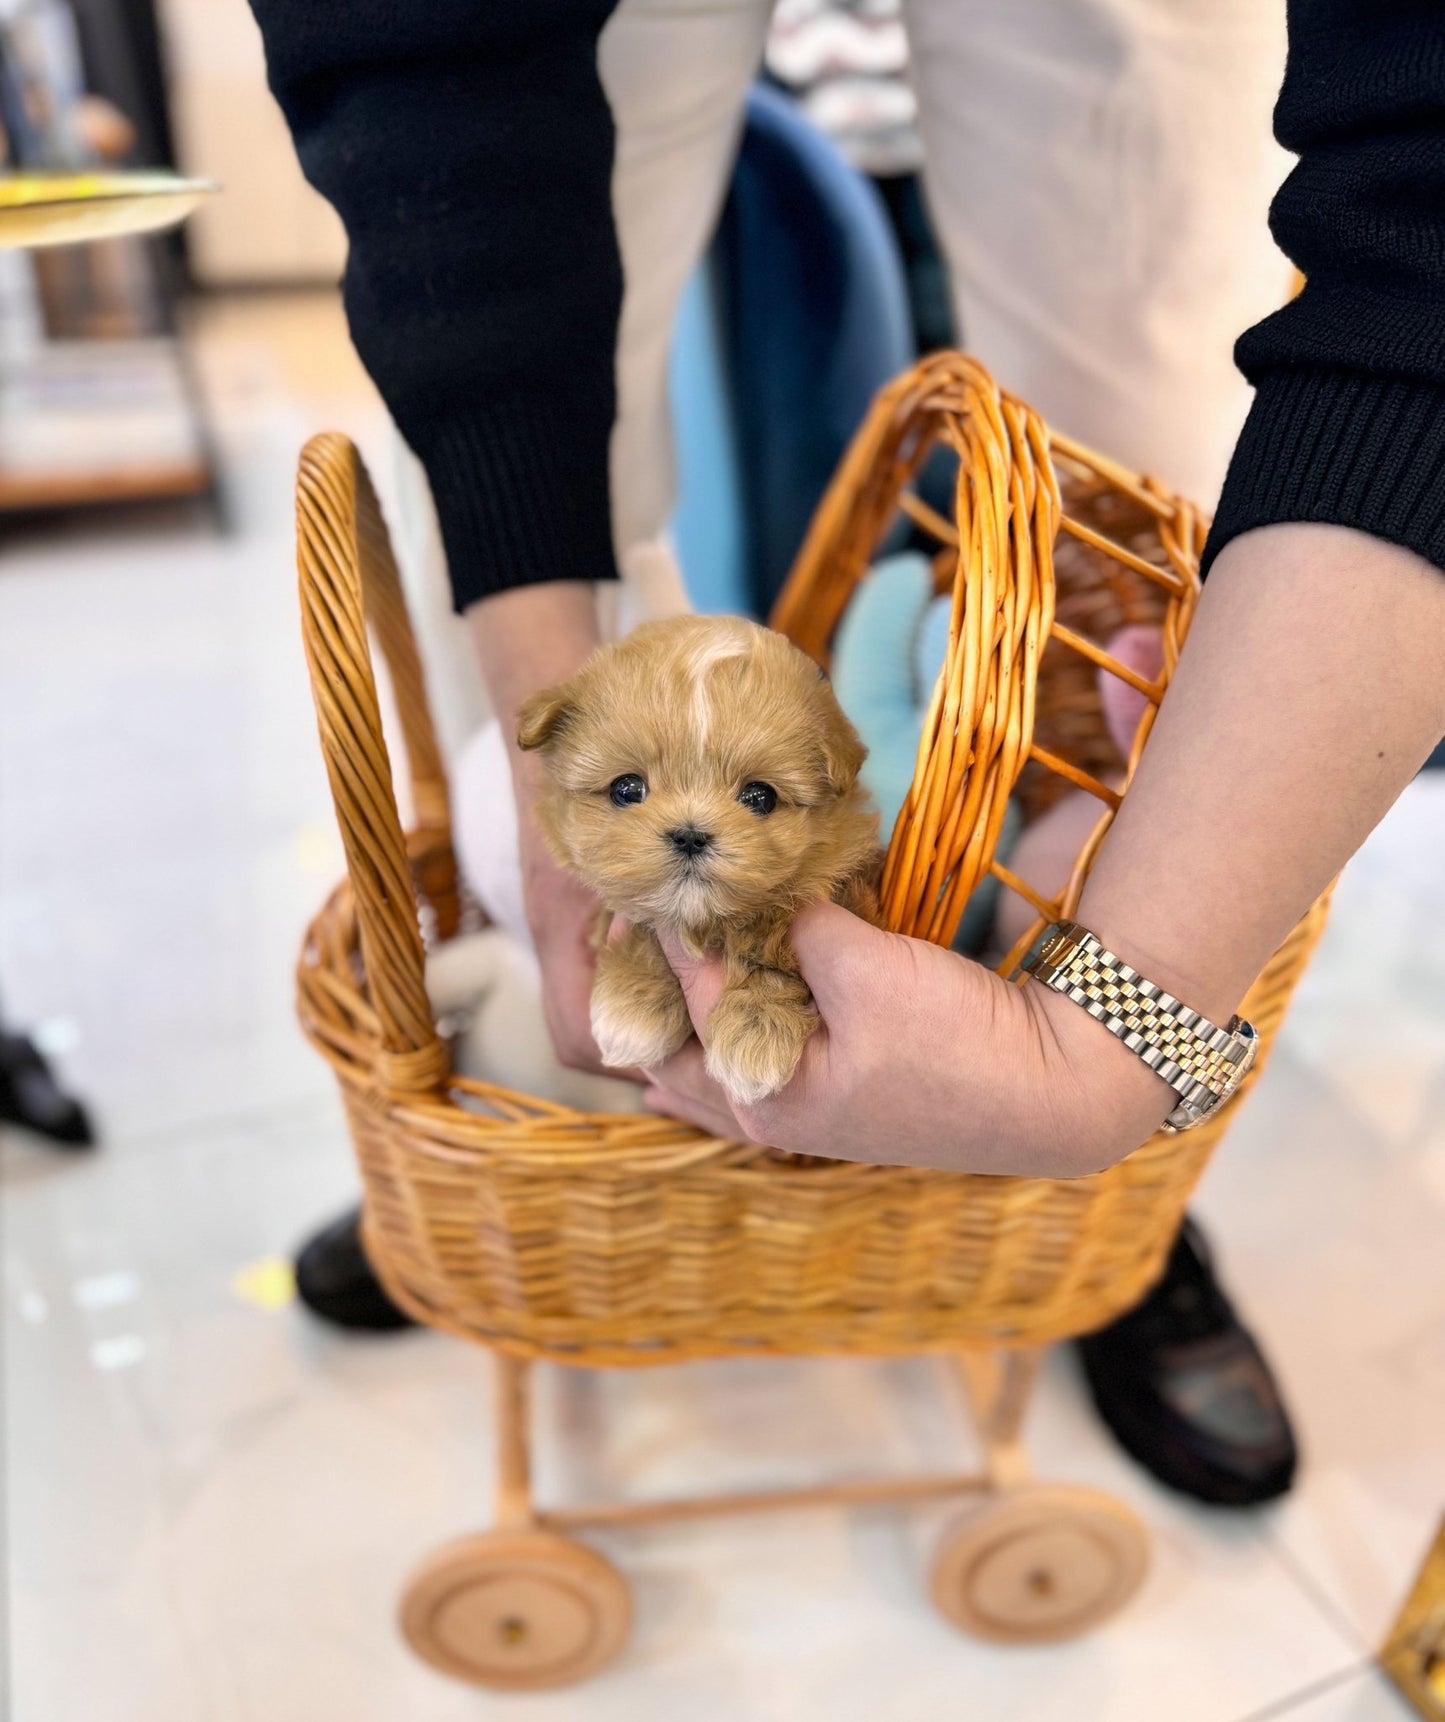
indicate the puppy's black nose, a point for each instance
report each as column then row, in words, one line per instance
column 688, row 840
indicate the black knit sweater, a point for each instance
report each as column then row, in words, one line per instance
column 467, row 146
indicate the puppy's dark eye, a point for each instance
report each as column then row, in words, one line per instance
column 628, row 790
column 759, row 798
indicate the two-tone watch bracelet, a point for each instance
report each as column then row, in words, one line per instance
column 1200, row 1061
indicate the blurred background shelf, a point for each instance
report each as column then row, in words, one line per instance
column 98, row 399
column 99, row 421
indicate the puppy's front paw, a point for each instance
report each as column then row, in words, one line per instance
column 755, row 1042
column 641, row 1031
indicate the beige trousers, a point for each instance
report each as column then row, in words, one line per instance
column 1099, row 172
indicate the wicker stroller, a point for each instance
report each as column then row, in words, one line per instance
column 633, row 1240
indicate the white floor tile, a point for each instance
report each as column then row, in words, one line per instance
column 1327, row 1204
column 1361, row 1695
column 167, row 825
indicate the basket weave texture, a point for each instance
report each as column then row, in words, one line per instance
column 627, row 1239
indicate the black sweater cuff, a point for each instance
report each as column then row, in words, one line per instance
column 1342, row 448
column 521, row 491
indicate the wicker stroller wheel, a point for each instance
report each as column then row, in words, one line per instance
column 517, row 1609
column 1041, row 1563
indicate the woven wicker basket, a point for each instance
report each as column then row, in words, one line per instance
column 637, row 1240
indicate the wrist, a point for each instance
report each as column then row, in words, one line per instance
column 1199, row 965
column 529, row 638
column 532, row 637
column 1305, row 697
column 1102, row 1100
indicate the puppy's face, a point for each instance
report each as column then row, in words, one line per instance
column 699, row 771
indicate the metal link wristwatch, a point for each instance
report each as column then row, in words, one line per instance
column 1201, row 1062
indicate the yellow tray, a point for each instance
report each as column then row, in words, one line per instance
column 67, row 208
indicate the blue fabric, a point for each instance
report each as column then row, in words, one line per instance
column 873, row 657
column 708, row 529
column 887, row 655
column 815, row 317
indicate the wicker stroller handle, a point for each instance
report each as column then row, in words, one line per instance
column 978, row 732
column 348, row 578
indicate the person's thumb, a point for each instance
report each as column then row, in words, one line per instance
column 837, row 952
column 701, row 979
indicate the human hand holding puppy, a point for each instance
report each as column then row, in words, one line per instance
column 702, row 781
column 923, row 1058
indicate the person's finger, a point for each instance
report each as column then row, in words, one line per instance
column 837, row 953
column 701, row 979
column 567, row 996
column 690, row 1110
column 683, row 1089
column 567, row 1010
column 1139, row 647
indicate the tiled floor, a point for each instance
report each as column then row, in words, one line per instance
column 211, row 1503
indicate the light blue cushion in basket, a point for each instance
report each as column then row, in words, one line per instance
column 887, row 655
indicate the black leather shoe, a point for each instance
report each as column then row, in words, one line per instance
column 335, row 1281
column 32, row 1098
column 1186, row 1390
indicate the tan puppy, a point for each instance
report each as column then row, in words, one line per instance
column 703, row 780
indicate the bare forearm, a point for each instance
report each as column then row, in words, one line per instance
column 529, row 638
column 1310, row 690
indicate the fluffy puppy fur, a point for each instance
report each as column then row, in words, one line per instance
column 702, row 779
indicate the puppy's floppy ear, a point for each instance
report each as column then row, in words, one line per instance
column 543, row 717
column 843, row 753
